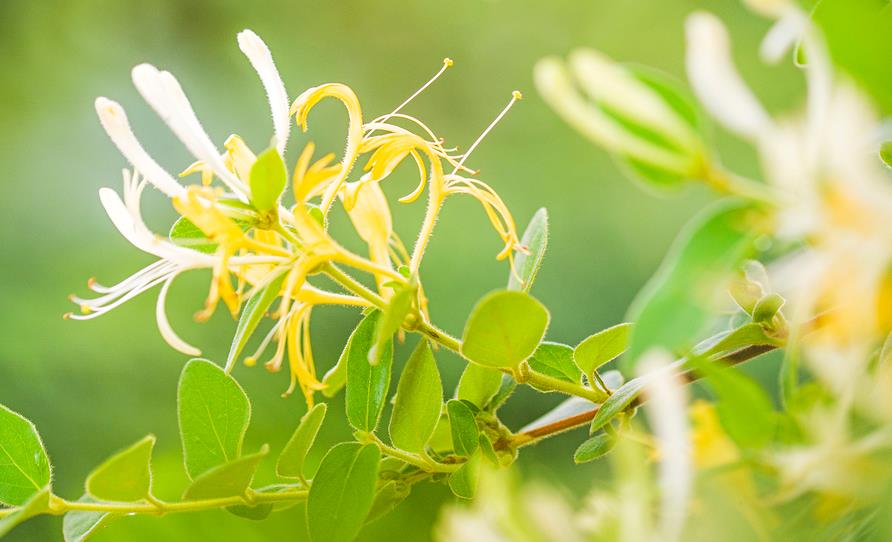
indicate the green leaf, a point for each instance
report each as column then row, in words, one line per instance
column 504, row 329
column 555, row 359
column 593, row 448
column 750, row 334
column 387, row 498
column 506, row 388
column 463, row 482
column 78, row 526
column 227, row 480
column 186, row 234
column 38, row 503
column 126, row 476
column 24, row 466
column 252, row 313
column 618, row 402
column 419, row 399
column 744, row 409
column 213, row 413
column 767, row 308
column 342, row 492
column 602, row 347
column 679, row 301
column 464, row 427
column 478, row 384
column 267, row 179
column 336, row 377
column 367, row 384
column 256, row 512
column 535, row 238
column 441, row 440
column 291, row 460
column 391, row 320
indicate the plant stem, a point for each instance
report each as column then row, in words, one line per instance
column 577, row 420
column 61, row 506
column 422, row 463
column 353, row 285
column 543, row 381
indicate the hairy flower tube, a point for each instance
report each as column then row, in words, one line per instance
column 235, row 221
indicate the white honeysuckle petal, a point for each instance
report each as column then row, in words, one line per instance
column 606, row 81
column 666, row 411
column 165, row 95
column 164, row 326
column 114, row 122
column 715, row 80
column 262, row 61
column 785, row 33
column 132, row 228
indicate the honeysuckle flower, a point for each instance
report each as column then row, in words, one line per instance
column 614, row 107
column 234, row 224
column 831, row 191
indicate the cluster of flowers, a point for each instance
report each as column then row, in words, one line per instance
column 236, row 223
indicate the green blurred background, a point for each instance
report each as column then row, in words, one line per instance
column 93, row 387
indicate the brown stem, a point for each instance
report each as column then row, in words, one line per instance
column 578, row 420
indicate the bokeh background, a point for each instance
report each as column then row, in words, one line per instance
column 94, row 387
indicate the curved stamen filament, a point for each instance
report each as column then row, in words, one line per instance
column 515, row 97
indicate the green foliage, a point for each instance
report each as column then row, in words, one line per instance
column 387, row 498
column 593, row 448
column 230, row 479
column 38, row 503
column 343, row 491
column 126, row 476
column 464, row 427
column 24, row 466
column 479, row 384
column 391, row 319
column 367, row 384
column 679, row 301
column 745, row 410
column 78, row 526
column 463, row 482
column 267, row 180
column 213, row 413
column 535, row 239
column 617, row 403
column 291, row 460
column 419, row 400
column 556, row 360
column 504, row 329
column 252, row 313
column 602, row 347
column 186, row 234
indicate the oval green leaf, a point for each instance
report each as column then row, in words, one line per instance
column 618, row 402
column 228, row 480
column 267, row 180
column 126, row 476
column 556, row 360
column 291, row 460
column 478, row 384
column 593, row 448
column 37, row 504
column 602, row 347
column 391, row 320
column 24, row 466
column 387, row 498
column 367, row 384
column 464, row 427
column 253, row 311
column 78, row 526
column 213, row 413
column 419, row 399
column 342, row 492
column 504, row 329
column 535, row 239
column 463, row 482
